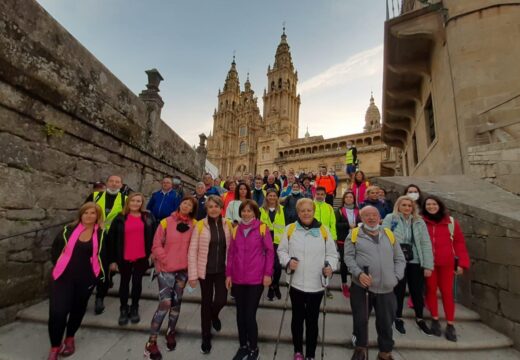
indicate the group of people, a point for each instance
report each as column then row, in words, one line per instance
column 239, row 236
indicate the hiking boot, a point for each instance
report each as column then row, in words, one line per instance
column 99, row 307
column 385, row 356
column 217, row 324
column 277, row 292
column 242, row 353
column 253, row 355
column 123, row 315
column 399, row 326
column 171, row 343
column 134, row 314
column 450, row 333
column 360, row 353
column 54, row 353
column 345, row 290
column 205, row 348
column 270, row 294
column 423, row 327
column 435, row 327
column 329, row 293
column 298, row 356
column 151, row 351
column 68, row 347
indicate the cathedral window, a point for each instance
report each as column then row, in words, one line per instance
column 242, row 131
column 243, row 147
column 430, row 121
column 279, row 83
column 272, row 85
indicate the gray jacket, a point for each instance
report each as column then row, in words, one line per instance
column 386, row 262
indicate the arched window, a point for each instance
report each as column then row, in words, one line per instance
column 272, row 85
column 243, row 147
column 279, row 83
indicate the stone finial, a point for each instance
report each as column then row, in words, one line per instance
column 151, row 94
column 154, row 79
column 202, row 140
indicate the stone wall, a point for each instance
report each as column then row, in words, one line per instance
column 490, row 220
column 67, row 121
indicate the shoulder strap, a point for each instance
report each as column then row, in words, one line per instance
column 324, row 232
column 234, row 232
column 451, row 227
column 290, row 230
column 98, row 196
column 200, row 226
column 230, row 226
column 262, row 229
column 355, row 233
column 164, row 224
column 390, row 235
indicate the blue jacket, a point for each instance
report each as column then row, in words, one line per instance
column 162, row 205
column 379, row 205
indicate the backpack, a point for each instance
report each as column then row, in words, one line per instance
column 262, row 229
column 388, row 232
column 200, row 226
column 164, row 225
column 292, row 228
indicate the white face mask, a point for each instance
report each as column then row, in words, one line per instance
column 414, row 196
column 176, row 182
column 371, row 228
column 112, row 192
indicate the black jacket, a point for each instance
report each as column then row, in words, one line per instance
column 116, row 236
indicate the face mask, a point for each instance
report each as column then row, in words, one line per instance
column 297, row 192
column 371, row 228
column 112, row 192
column 258, row 188
column 414, row 196
column 176, row 182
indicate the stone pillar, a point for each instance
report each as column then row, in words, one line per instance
column 154, row 104
column 202, row 152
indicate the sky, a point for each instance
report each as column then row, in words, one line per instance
column 336, row 47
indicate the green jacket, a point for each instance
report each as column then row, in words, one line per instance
column 421, row 245
column 325, row 214
column 278, row 226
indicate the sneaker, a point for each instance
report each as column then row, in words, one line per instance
column 205, row 348
column 253, row 355
column 399, row 326
column 242, row 353
column 345, row 290
column 99, row 307
column 298, row 356
column 134, row 314
column 423, row 327
column 54, row 353
column 217, row 324
column 277, row 292
column 151, row 351
column 435, row 327
column 329, row 293
column 450, row 333
column 123, row 315
column 270, row 294
column 68, row 347
column 360, row 353
column 171, row 343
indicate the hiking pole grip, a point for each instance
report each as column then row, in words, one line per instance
column 366, row 270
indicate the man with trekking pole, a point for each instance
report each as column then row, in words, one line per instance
column 376, row 263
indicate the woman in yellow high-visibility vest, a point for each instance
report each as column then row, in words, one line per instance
column 272, row 214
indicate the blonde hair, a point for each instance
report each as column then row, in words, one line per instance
column 264, row 205
column 215, row 199
column 90, row 205
column 370, row 189
column 415, row 211
column 126, row 209
column 304, row 201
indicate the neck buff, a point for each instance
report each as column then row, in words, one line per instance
column 371, row 228
column 248, row 222
column 112, row 192
column 351, row 206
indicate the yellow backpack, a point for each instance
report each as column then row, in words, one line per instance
column 292, row 227
column 388, row 232
column 262, row 229
column 200, row 226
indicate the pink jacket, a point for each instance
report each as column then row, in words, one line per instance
column 250, row 257
column 170, row 247
column 199, row 248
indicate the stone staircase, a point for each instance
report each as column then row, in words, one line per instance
column 101, row 338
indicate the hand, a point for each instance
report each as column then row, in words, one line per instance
column 459, row 271
column 293, row 264
column 193, row 283
column 228, row 282
column 327, row 271
column 427, row 273
column 365, row 280
column 267, row 281
column 114, row 267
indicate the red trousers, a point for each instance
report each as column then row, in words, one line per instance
column 442, row 278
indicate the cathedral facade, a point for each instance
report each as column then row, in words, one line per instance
column 244, row 141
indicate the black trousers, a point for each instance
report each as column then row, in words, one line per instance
column 213, row 299
column 414, row 276
column 329, row 199
column 384, row 306
column 247, row 298
column 132, row 271
column 277, row 268
column 67, row 305
column 305, row 308
column 342, row 266
column 103, row 286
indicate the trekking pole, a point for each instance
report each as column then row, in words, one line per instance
column 283, row 312
column 367, row 299
column 325, row 281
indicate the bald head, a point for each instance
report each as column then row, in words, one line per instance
column 370, row 216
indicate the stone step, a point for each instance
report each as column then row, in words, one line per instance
column 339, row 304
column 472, row 335
column 110, row 344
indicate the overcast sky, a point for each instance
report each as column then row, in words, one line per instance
column 336, row 47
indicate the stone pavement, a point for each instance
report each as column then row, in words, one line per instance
column 101, row 337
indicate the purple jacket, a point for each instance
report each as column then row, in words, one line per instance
column 250, row 257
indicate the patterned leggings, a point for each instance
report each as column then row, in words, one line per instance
column 171, row 288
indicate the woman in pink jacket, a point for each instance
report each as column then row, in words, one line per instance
column 249, row 269
column 207, row 264
column 170, row 252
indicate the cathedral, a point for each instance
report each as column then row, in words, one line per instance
column 244, row 140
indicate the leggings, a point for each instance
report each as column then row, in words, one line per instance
column 213, row 284
column 68, row 299
column 277, row 273
column 135, row 271
column 247, row 298
column 171, row 288
column 442, row 278
column 305, row 308
column 342, row 266
column 414, row 276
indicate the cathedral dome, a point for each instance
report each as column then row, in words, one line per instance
column 372, row 116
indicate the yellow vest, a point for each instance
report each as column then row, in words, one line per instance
column 116, row 208
column 278, row 226
column 349, row 158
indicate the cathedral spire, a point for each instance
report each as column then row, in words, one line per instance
column 372, row 116
column 232, row 81
column 283, row 54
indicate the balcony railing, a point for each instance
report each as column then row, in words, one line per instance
column 395, row 8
